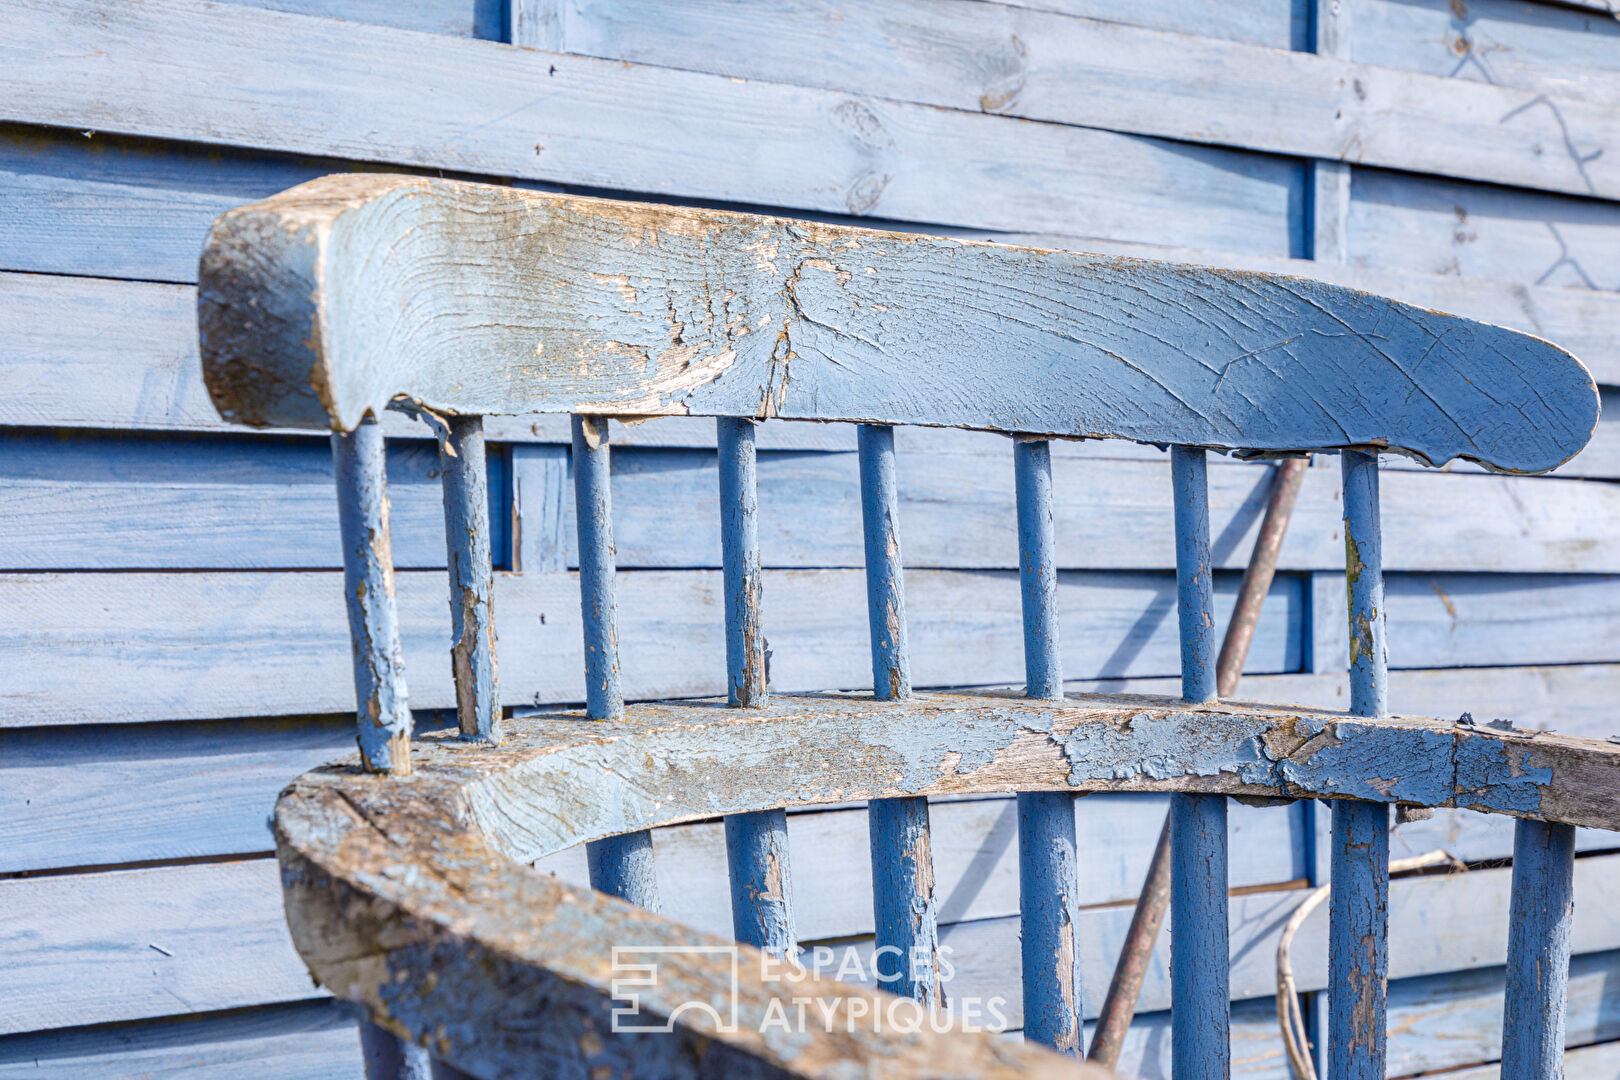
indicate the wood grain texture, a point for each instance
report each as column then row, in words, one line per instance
column 1275, row 364
column 617, row 777
column 480, row 107
column 145, row 943
column 86, row 353
column 1042, row 65
column 1438, row 226
column 524, row 993
column 1547, row 48
column 307, row 1040
column 195, row 643
column 333, row 825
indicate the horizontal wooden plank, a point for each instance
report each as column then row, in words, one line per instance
column 462, row 18
column 1560, row 51
column 203, row 645
column 956, row 511
column 1277, row 23
column 103, row 503
column 76, row 796
column 305, row 1040
column 1042, row 65
column 485, row 108
column 1482, row 231
column 80, row 947
column 108, row 354
column 91, row 948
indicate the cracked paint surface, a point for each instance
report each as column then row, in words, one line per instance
column 330, row 300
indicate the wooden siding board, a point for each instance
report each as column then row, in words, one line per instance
column 306, row 1040
column 81, row 947
column 1479, row 231
column 433, row 101
column 1536, row 46
column 106, row 503
column 1438, row 924
column 458, row 18
column 221, row 643
column 130, row 944
column 1046, row 66
column 201, row 645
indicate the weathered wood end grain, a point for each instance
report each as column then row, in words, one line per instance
column 331, row 299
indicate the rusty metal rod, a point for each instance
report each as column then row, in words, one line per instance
column 1119, row 1008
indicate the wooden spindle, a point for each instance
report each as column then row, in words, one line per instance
column 1048, row 876
column 904, row 907
column 756, row 844
column 1540, row 915
column 383, row 714
column 1358, row 934
column 1200, row 1015
column 465, row 478
column 620, row 865
column 388, row 1057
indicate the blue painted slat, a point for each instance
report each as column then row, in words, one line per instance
column 1037, row 568
column 1199, row 964
column 756, row 844
column 623, row 866
column 388, row 1057
column 761, row 881
column 1364, row 569
column 1195, row 585
column 1200, row 974
column 465, row 477
column 885, row 584
column 1358, row 941
column 620, row 865
column 739, row 553
column 905, row 910
column 1540, row 917
column 383, row 715
column 1048, row 873
column 593, row 502
column 1358, row 934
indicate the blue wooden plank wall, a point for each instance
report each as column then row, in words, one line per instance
column 171, row 613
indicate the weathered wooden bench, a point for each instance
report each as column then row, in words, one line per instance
column 406, row 878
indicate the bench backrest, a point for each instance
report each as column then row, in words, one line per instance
column 325, row 305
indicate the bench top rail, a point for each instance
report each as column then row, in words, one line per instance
column 333, row 299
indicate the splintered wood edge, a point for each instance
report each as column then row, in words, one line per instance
column 410, row 894
column 343, row 295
